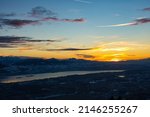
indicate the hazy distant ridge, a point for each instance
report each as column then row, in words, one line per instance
column 28, row 65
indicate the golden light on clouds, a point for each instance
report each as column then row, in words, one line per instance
column 113, row 51
column 118, row 51
column 115, row 60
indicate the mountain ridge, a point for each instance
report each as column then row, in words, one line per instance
column 31, row 65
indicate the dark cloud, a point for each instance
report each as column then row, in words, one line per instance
column 14, row 41
column 63, row 20
column 69, row 49
column 11, row 41
column 85, row 56
column 17, row 22
column 74, row 20
column 142, row 21
column 41, row 12
column 43, row 40
column 146, row 9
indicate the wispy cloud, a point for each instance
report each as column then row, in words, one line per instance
column 146, row 9
column 63, row 20
column 135, row 22
column 14, row 41
column 74, row 20
column 119, row 25
column 2, row 15
column 41, row 12
column 142, row 21
column 70, row 49
column 48, row 15
column 17, row 22
column 83, row 1
column 85, row 56
column 11, row 41
column 4, row 45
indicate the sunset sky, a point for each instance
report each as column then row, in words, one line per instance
column 103, row 30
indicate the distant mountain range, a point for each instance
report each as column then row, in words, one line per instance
column 28, row 65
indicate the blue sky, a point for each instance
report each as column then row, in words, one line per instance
column 103, row 21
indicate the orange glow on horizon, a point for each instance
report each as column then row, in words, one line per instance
column 115, row 60
column 116, row 51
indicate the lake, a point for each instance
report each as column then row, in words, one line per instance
column 30, row 77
